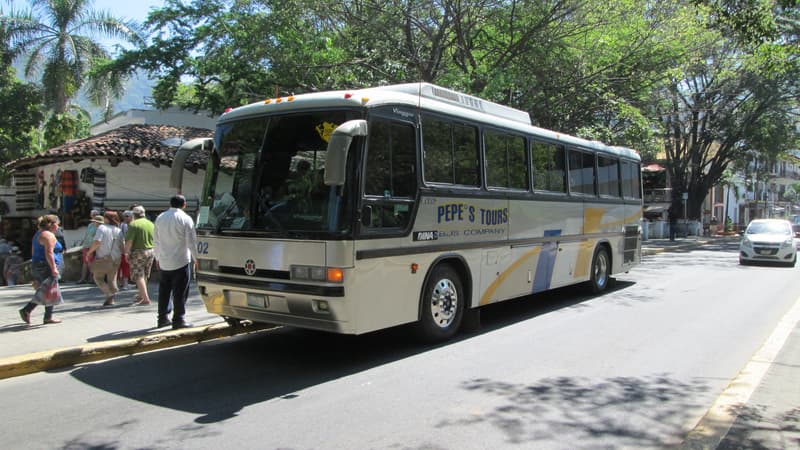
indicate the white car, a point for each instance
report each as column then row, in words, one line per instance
column 768, row 240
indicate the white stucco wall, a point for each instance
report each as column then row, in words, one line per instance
column 128, row 181
column 125, row 184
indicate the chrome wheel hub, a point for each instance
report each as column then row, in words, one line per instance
column 444, row 303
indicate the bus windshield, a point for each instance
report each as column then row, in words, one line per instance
column 267, row 174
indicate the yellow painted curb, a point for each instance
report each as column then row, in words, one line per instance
column 718, row 420
column 15, row 366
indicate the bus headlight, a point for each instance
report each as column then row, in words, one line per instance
column 316, row 273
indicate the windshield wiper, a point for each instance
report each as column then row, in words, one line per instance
column 225, row 213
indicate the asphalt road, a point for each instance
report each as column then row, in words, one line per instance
column 635, row 368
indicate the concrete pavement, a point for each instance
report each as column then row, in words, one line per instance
column 91, row 332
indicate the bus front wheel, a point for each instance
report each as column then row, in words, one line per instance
column 601, row 270
column 442, row 305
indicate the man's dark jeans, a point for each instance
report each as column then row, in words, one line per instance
column 175, row 284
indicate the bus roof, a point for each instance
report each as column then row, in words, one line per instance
column 425, row 96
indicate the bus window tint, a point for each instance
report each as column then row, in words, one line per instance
column 390, row 160
column 467, row 166
column 238, row 147
column 608, row 176
column 505, row 160
column 549, row 170
column 581, row 173
column 438, row 151
column 631, row 186
column 451, row 152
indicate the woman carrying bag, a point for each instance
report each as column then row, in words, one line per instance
column 108, row 247
column 47, row 257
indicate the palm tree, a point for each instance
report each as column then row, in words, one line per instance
column 58, row 36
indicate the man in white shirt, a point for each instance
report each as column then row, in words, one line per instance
column 175, row 246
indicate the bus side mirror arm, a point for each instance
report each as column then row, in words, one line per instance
column 183, row 152
column 338, row 145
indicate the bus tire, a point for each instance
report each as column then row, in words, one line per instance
column 233, row 322
column 600, row 271
column 442, row 305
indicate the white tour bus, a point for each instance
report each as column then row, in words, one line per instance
column 353, row 211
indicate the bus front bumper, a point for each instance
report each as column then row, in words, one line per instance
column 290, row 310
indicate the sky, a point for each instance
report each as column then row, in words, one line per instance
column 136, row 10
column 129, row 9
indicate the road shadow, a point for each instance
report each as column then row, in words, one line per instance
column 573, row 410
column 277, row 363
column 754, row 429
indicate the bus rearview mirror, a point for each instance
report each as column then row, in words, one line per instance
column 183, row 152
column 338, row 145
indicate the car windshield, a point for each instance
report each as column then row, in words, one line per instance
column 267, row 176
column 769, row 228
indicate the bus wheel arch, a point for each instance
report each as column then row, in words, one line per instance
column 600, row 270
column 444, row 299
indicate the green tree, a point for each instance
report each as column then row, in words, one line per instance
column 21, row 103
column 735, row 97
column 58, row 39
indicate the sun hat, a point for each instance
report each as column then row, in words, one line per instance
column 98, row 219
column 138, row 210
column 127, row 213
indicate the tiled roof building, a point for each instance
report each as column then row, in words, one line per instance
column 153, row 144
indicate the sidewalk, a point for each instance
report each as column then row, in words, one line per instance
column 654, row 246
column 90, row 331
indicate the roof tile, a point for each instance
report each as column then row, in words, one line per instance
column 135, row 143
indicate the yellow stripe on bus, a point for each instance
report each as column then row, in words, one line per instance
column 506, row 273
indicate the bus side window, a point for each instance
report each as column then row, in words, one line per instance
column 608, row 176
column 631, row 176
column 389, row 173
column 581, row 173
column 549, row 167
column 505, row 160
column 451, row 152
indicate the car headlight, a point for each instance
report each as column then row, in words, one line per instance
column 746, row 243
column 788, row 243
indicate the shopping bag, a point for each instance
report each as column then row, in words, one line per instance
column 49, row 293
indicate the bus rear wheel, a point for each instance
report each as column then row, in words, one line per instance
column 442, row 305
column 601, row 271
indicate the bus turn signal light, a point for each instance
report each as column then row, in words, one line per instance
column 317, row 273
column 335, row 275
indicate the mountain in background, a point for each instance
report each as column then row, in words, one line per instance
column 138, row 95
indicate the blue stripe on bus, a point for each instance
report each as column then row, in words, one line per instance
column 547, row 260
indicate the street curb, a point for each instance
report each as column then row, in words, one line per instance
column 712, row 428
column 15, row 366
column 657, row 250
column 687, row 246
